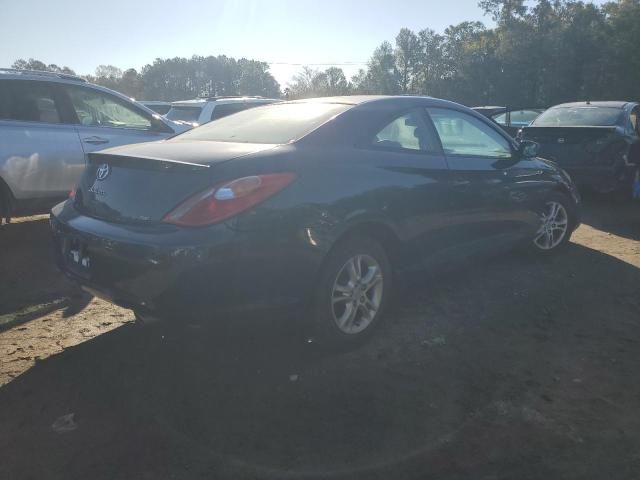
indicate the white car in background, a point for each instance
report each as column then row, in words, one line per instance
column 203, row 110
column 50, row 122
column 158, row 106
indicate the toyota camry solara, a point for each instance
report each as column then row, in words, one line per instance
column 317, row 204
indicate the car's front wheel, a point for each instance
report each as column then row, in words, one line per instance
column 557, row 220
column 353, row 290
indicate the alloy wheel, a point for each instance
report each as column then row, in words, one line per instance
column 554, row 226
column 357, row 294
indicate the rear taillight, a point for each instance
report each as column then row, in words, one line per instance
column 227, row 200
column 72, row 193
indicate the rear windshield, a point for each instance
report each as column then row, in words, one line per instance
column 578, row 116
column 186, row 114
column 276, row 124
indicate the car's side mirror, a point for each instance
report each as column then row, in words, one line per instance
column 528, row 149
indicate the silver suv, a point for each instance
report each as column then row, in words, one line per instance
column 49, row 122
column 203, row 110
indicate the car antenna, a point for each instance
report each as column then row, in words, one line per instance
column 588, row 102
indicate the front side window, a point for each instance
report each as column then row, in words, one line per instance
column 465, row 135
column 517, row 118
column 95, row 108
column 407, row 132
column 28, row 101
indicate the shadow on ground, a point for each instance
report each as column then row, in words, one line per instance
column 514, row 368
column 31, row 284
column 619, row 217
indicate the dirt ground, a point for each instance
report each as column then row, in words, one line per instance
column 511, row 368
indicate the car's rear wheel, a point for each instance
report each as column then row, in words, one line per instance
column 557, row 220
column 353, row 290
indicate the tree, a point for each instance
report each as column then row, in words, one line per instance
column 314, row 83
column 336, row 81
column 33, row 64
column 407, row 54
column 181, row 78
column 382, row 76
column 504, row 11
column 430, row 67
column 108, row 71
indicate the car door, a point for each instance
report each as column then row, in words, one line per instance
column 488, row 184
column 104, row 120
column 413, row 173
column 40, row 155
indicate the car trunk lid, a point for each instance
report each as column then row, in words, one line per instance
column 141, row 183
column 572, row 146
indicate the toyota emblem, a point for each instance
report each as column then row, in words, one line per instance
column 103, row 171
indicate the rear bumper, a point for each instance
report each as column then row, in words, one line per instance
column 167, row 270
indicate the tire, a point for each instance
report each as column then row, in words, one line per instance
column 349, row 302
column 550, row 238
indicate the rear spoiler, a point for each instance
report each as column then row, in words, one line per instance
column 119, row 159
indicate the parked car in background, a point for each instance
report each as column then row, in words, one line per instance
column 509, row 118
column 596, row 142
column 317, row 203
column 161, row 108
column 49, row 122
column 203, row 110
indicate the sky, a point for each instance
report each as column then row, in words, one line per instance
column 288, row 34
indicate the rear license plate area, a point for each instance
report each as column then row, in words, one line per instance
column 76, row 255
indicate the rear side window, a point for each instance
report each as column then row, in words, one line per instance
column 184, row 114
column 28, row 101
column 519, row 118
column 226, row 109
column 407, row 132
column 95, row 108
column 464, row 135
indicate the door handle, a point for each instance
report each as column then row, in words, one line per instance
column 460, row 183
column 95, row 140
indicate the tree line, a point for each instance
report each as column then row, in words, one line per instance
column 178, row 78
column 538, row 54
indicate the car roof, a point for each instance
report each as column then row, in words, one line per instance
column 386, row 100
column 13, row 73
column 610, row 104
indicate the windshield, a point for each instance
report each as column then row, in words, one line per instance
column 184, row 113
column 276, row 124
column 579, row 116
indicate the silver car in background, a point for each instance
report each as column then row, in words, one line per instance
column 49, row 122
